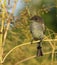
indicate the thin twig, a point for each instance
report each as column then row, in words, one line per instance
column 24, row 45
column 30, row 58
column 8, row 25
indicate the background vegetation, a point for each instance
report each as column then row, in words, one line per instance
column 19, row 33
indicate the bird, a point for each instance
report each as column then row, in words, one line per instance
column 37, row 29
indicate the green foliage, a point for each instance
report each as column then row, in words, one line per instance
column 20, row 34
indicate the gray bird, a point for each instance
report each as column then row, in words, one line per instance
column 37, row 29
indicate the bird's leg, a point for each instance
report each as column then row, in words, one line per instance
column 39, row 49
column 31, row 41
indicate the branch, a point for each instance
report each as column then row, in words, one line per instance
column 8, row 25
column 30, row 58
column 24, row 45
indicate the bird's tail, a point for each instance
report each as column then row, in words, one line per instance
column 39, row 50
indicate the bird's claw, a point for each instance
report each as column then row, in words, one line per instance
column 31, row 43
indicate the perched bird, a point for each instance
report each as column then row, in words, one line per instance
column 37, row 29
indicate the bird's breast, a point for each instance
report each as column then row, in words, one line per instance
column 37, row 26
column 37, row 30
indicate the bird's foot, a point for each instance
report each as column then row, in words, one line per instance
column 31, row 43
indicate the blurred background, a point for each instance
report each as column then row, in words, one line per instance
column 19, row 31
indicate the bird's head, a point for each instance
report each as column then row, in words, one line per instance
column 36, row 18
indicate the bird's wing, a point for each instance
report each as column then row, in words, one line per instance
column 31, row 28
column 43, row 27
